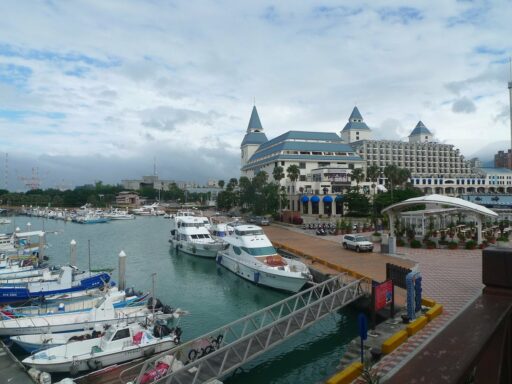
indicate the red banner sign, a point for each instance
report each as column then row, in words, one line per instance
column 383, row 294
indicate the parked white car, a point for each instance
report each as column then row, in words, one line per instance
column 357, row 242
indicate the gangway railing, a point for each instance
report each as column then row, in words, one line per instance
column 220, row 352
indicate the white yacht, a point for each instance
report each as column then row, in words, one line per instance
column 250, row 255
column 117, row 214
column 189, row 233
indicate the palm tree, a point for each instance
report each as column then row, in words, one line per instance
column 278, row 174
column 293, row 173
column 357, row 175
column 221, row 184
column 392, row 174
column 403, row 175
column 373, row 172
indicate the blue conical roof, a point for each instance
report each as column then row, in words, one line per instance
column 356, row 122
column 420, row 129
column 254, row 121
column 355, row 115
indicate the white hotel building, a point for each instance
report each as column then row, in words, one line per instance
column 326, row 160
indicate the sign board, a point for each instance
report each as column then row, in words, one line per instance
column 397, row 274
column 383, row 294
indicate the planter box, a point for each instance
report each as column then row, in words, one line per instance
column 376, row 239
column 502, row 244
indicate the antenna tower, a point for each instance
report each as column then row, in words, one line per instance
column 6, row 172
column 510, row 107
column 32, row 182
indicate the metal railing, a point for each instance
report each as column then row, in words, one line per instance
column 220, row 352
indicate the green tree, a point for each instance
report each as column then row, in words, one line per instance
column 293, row 173
column 358, row 204
column 392, row 175
column 221, row 184
column 278, row 175
column 357, row 175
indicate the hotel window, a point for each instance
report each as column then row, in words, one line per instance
column 282, row 163
column 302, row 165
column 302, row 178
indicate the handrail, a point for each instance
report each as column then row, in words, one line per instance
column 291, row 313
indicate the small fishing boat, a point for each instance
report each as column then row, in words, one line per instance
column 120, row 343
column 42, row 341
column 103, row 313
column 66, row 283
column 120, row 299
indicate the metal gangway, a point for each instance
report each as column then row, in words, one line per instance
column 222, row 351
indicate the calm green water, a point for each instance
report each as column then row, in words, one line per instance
column 214, row 296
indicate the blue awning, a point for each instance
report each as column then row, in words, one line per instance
column 304, row 199
column 327, row 199
column 315, row 199
column 339, row 198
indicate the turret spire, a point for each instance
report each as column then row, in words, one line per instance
column 254, row 121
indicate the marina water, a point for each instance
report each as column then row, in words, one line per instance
column 213, row 295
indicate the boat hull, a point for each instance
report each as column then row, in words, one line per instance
column 196, row 249
column 261, row 277
column 99, row 360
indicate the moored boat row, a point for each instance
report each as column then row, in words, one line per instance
column 241, row 248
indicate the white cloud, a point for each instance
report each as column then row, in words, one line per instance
column 111, row 79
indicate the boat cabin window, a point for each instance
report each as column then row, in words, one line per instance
column 248, row 232
column 121, row 334
column 260, row 251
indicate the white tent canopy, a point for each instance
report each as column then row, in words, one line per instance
column 441, row 201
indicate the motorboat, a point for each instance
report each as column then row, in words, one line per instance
column 42, row 341
column 92, row 218
column 220, row 228
column 250, row 254
column 120, row 343
column 67, row 282
column 103, row 313
column 5, row 221
column 117, row 214
column 189, row 234
column 120, row 299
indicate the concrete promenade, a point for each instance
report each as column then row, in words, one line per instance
column 452, row 278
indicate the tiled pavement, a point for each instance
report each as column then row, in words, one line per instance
column 452, row 278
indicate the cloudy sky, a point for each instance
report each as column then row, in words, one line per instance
column 95, row 90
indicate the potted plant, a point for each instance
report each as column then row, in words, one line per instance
column 502, row 241
column 400, row 242
column 453, row 245
column 483, row 244
column 470, row 244
column 376, row 237
column 430, row 244
column 415, row 243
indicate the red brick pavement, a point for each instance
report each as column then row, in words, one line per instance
column 452, row 278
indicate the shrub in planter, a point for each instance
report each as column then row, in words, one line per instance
column 376, row 237
column 415, row 243
column 453, row 245
column 470, row 244
column 400, row 242
column 430, row 244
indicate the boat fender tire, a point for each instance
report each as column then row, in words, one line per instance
column 209, row 349
column 149, row 352
column 192, row 354
column 74, row 369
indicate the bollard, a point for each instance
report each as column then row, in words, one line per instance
column 122, row 271
column 41, row 248
column 72, row 254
